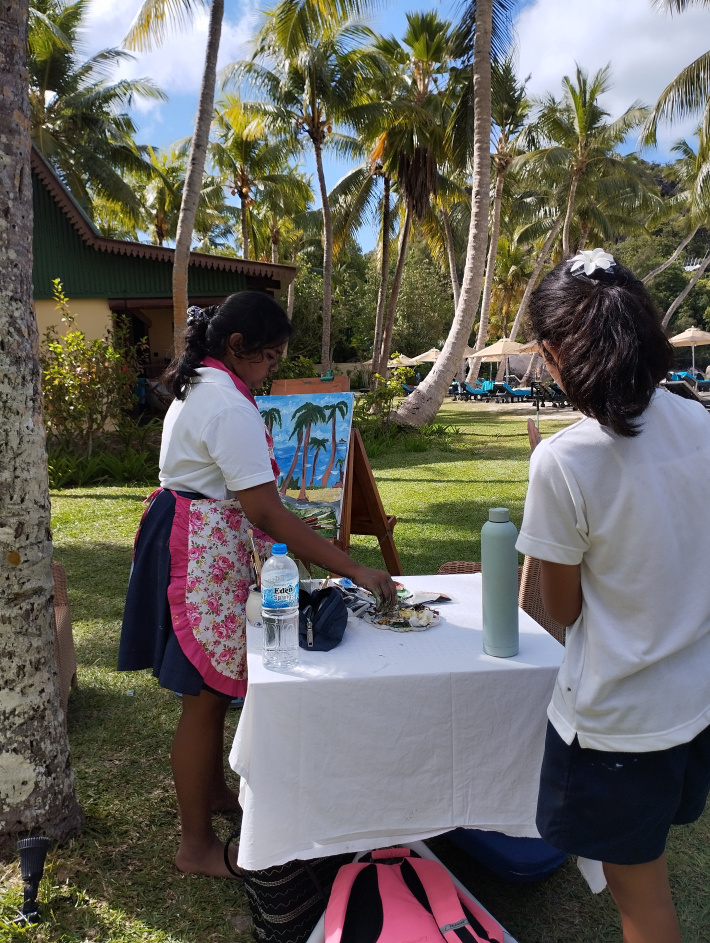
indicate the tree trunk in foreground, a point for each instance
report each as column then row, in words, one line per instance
column 422, row 405
column 36, row 779
column 195, row 170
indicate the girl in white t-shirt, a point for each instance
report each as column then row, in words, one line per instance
column 615, row 513
column 185, row 608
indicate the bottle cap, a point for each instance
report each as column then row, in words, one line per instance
column 498, row 515
column 277, row 549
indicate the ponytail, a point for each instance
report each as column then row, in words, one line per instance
column 610, row 347
column 255, row 315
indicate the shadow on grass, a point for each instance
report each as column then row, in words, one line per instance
column 120, row 727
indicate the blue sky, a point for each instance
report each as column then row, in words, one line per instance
column 645, row 48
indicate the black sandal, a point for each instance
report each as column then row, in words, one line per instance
column 234, row 837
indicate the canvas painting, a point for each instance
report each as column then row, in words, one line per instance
column 311, row 434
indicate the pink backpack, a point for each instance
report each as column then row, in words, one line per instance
column 394, row 896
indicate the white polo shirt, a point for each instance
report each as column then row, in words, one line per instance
column 635, row 514
column 214, row 441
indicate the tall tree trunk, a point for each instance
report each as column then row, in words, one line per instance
column 664, row 265
column 532, row 281
column 36, row 779
column 451, row 256
column 384, row 276
column 245, row 228
column 195, row 169
column 422, row 405
column 454, row 275
column 394, row 294
column 482, row 335
column 568, row 216
column 697, row 274
column 327, row 260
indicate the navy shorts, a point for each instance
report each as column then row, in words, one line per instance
column 619, row 807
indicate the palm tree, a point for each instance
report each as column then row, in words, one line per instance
column 331, row 412
column 78, row 117
column 689, row 92
column 423, row 403
column 271, row 417
column 694, row 166
column 249, row 165
column 510, row 108
column 317, row 445
column 304, row 417
column 577, row 140
column 307, row 68
column 150, row 28
column 415, row 140
column 37, row 794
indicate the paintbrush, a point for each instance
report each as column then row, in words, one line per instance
column 257, row 558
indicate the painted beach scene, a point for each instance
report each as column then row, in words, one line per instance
column 311, row 434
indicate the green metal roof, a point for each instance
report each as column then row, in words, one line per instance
column 68, row 247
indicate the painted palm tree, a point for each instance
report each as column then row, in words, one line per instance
column 79, row 118
column 149, row 29
column 250, row 165
column 317, row 445
column 306, row 416
column 272, row 418
column 422, row 405
column 332, row 411
column 306, row 70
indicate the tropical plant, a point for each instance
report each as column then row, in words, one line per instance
column 37, row 795
column 80, row 121
column 149, row 29
column 85, row 384
column 306, row 69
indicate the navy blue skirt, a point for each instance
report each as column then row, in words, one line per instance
column 147, row 636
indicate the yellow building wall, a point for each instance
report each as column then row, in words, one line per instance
column 93, row 317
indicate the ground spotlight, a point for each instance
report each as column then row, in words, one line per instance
column 33, row 852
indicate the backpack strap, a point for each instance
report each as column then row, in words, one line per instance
column 445, row 904
column 338, row 902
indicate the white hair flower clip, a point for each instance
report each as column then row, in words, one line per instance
column 590, row 260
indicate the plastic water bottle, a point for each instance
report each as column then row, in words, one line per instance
column 279, row 609
column 499, row 572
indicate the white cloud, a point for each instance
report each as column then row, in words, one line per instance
column 646, row 50
column 177, row 65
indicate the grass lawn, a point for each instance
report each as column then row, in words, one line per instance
column 116, row 882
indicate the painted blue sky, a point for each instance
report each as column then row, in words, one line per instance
column 645, row 48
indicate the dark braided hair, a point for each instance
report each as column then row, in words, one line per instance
column 255, row 315
column 611, row 350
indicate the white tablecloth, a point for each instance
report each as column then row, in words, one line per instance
column 393, row 737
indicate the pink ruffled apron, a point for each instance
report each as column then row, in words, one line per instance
column 209, row 578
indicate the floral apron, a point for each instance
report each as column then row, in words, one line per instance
column 210, row 563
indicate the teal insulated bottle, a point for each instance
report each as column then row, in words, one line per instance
column 499, row 573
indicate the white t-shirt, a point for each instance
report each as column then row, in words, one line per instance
column 214, row 441
column 635, row 513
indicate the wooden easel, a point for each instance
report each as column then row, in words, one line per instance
column 361, row 510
